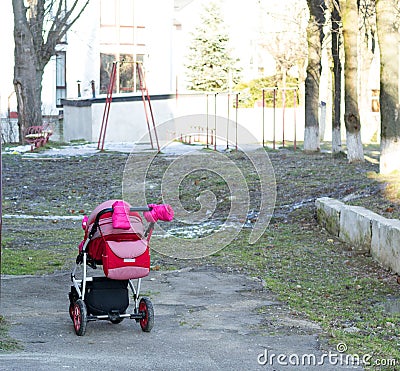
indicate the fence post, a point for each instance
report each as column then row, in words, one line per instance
column 283, row 115
column 274, row 131
column 294, row 110
column 207, row 120
column 236, row 121
column 215, row 121
column 263, row 118
column 1, row 190
column 274, row 89
column 227, row 123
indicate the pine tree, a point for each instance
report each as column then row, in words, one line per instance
column 211, row 66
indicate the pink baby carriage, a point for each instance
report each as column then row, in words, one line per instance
column 115, row 238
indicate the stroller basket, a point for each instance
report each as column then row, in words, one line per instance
column 104, row 296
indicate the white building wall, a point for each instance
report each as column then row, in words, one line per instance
column 127, row 120
column 83, row 53
column 159, row 42
column 78, row 123
column 186, row 115
column 7, row 58
column 49, row 89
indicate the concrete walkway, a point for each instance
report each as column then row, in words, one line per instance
column 204, row 320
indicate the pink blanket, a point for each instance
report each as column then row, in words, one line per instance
column 162, row 212
column 120, row 216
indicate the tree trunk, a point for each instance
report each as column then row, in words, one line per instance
column 37, row 31
column 388, row 37
column 315, row 36
column 27, row 74
column 337, row 81
column 366, row 54
column 355, row 152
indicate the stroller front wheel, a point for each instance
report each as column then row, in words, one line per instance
column 146, row 308
column 80, row 317
column 71, row 311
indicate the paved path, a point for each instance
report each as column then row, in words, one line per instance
column 204, row 320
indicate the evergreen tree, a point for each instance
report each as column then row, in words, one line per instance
column 210, row 65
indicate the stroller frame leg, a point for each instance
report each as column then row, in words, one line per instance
column 84, row 275
column 76, row 282
column 80, row 285
column 143, row 311
column 136, row 292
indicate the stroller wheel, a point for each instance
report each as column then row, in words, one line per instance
column 146, row 308
column 73, row 297
column 71, row 311
column 80, row 317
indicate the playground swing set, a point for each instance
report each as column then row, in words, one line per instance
column 146, row 104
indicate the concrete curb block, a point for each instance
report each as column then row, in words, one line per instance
column 367, row 231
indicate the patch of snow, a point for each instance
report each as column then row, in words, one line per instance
column 16, row 150
column 43, row 217
column 89, row 149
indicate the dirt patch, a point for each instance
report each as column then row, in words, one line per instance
column 62, row 186
column 73, row 186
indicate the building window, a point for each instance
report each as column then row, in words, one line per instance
column 61, row 86
column 122, row 39
column 106, row 63
column 127, row 78
column 127, row 73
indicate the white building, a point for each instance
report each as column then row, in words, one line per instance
column 108, row 30
column 157, row 32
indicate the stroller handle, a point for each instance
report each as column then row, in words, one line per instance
column 110, row 210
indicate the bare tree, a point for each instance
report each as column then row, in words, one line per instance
column 283, row 37
column 315, row 36
column 336, row 77
column 355, row 152
column 38, row 28
column 287, row 42
column 287, row 53
column 387, row 17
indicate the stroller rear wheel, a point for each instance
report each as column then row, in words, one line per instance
column 146, row 308
column 80, row 317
